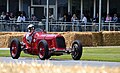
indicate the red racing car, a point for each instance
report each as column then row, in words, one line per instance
column 45, row 45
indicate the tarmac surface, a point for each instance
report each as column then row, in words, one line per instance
column 61, row 62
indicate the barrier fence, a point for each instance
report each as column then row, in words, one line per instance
column 58, row 26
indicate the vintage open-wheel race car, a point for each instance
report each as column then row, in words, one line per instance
column 45, row 45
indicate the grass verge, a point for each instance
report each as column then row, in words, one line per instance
column 93, row 54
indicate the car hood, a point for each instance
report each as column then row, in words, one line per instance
column 46, row 36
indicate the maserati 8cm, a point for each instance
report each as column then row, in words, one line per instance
column 45, row 45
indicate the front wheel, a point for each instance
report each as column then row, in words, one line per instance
column 43, row 50
column 15, row 48
column 76, row 50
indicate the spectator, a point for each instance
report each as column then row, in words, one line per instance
column 3, row 15
column 33, row 18
column 74, row 20
column 84, row 22
column 21, row 18
column 60, row 18
column 7, row 18
column 64, row 18
column 115, row 18
column 69, row 16
column 96, row 19
column 84, row 19
column 95, row 22
column 11, row 16
column 108, row 18
column 51, row 17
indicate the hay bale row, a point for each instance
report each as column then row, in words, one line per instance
column 94, row 38
column 86, row 38
column 69, row 37
column 4, row 33
column 6, row 39
column 11, row 33
column 3, row 41
column 19, row 37
column 97, row 38
column 111, row 38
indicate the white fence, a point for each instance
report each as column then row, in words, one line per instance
column 58, row 26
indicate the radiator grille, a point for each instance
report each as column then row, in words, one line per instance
column 60, row 42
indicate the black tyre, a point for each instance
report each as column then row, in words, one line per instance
column 76, row 50
column 15, row 48
column 43, row 50
column 48, row 56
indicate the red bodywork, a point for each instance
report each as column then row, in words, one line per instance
column 55, row 41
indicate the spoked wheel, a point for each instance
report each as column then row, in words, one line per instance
column 15, row 48
column 76, row 50
column 43, row 50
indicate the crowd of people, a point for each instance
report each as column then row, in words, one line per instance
column 19, row 16
column 73, row 18
column 84, row 20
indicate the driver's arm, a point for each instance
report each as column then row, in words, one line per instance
column 31, row 33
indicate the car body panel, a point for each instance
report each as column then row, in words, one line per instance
column 32, row 48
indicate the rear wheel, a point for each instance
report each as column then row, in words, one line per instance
column 15, row 48
column 76, row 50
column 43, row 50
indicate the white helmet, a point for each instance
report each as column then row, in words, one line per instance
column 30, row 27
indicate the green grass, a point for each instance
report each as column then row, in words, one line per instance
column 102, row 54
column 93, row 54
column 6, row 53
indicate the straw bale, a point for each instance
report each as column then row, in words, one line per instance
column 104, row 38
column 4, row 33
column 18, row 33
column 97, row 38
column 111, row 38
column 18, row 36
column 84, row 37
column 3, row 41
column 6, row 39
column 69, row 38
column 10, row 33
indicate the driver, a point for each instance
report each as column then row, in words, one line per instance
column 30, row 33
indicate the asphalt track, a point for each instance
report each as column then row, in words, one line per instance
column 60, row 62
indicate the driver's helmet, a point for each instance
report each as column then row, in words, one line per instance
column 30, row 27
